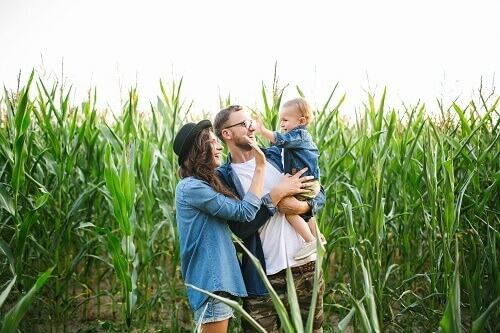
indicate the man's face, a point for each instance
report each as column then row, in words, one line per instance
column 240, row 125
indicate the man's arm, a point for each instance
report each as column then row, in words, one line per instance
column 267, row 209
column 246, row 229
column 292, row 206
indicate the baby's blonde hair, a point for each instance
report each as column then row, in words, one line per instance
column 302, row 108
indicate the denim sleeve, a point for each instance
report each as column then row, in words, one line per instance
column 244, row 230
column 318, row 202
column 202, row 196
column 292, row 139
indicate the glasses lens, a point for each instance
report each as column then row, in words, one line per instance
column 245, row 123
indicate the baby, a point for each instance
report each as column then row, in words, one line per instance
column 299, row 151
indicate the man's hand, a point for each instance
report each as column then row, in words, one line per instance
column 292, row 206
column 290, row 185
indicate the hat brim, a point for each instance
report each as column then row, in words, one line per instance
column 189, row 141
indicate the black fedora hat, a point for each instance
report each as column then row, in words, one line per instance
column 184, row 139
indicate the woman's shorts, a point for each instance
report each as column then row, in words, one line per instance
column 212, row 311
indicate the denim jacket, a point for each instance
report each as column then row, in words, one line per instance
column 248, row 232
column 208, row 257
column 299, row 151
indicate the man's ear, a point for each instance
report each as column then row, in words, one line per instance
column 226, row 134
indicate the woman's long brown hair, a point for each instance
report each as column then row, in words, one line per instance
column 200, row 163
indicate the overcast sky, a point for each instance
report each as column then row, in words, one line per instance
column 418, row 49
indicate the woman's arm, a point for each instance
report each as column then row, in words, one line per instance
column 244, row 230
column 257, row 185
column 200, row 195
column 289, row 185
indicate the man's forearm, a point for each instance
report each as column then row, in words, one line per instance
column 276, row 195
column 292, row 206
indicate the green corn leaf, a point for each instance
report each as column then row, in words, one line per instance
column 478, row 324
column 360, row 311
column 370, row 296
column 299, row 91
column 5, row 249
column 344, row 323
column 21, row 240
column 5, row 293
column 22, row 119
column 380, row 112
column 235, row 305
column 119, row 261
column 451, row 321
column 6, row 201
column 286, row 324
column 465, row 124
column 293, row 302
column 320, row 253
column 12, row 318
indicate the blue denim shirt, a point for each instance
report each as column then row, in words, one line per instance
column 248, row 232
column 300, row 151
column 208, row 256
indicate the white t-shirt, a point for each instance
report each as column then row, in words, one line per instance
column 279, row 240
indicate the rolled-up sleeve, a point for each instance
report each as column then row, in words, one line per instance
column 202, row 196
column 268, row 203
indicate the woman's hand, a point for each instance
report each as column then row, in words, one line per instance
column 260, row 158
column 257, row 185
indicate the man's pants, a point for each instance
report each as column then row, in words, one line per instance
column 262, row 310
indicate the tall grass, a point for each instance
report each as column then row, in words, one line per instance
column 411, row 217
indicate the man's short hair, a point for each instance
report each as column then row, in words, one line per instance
column 221, row 119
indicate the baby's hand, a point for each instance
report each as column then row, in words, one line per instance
column 259, row 126
column 261, row 129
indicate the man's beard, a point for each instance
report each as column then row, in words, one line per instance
column 243, row 145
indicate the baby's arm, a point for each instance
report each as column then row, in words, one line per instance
column 261, row 129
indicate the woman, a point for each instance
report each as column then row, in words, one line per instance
column 203, row 204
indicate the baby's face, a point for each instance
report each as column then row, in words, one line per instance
column 290, row 118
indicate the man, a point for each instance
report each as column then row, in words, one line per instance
column 269, row 237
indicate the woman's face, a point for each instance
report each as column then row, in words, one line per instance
column 216, row 149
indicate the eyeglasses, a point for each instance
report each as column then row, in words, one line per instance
column 247, row 123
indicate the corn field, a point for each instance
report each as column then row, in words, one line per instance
column 88, row 237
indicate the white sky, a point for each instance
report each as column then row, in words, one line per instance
column 418, row 49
